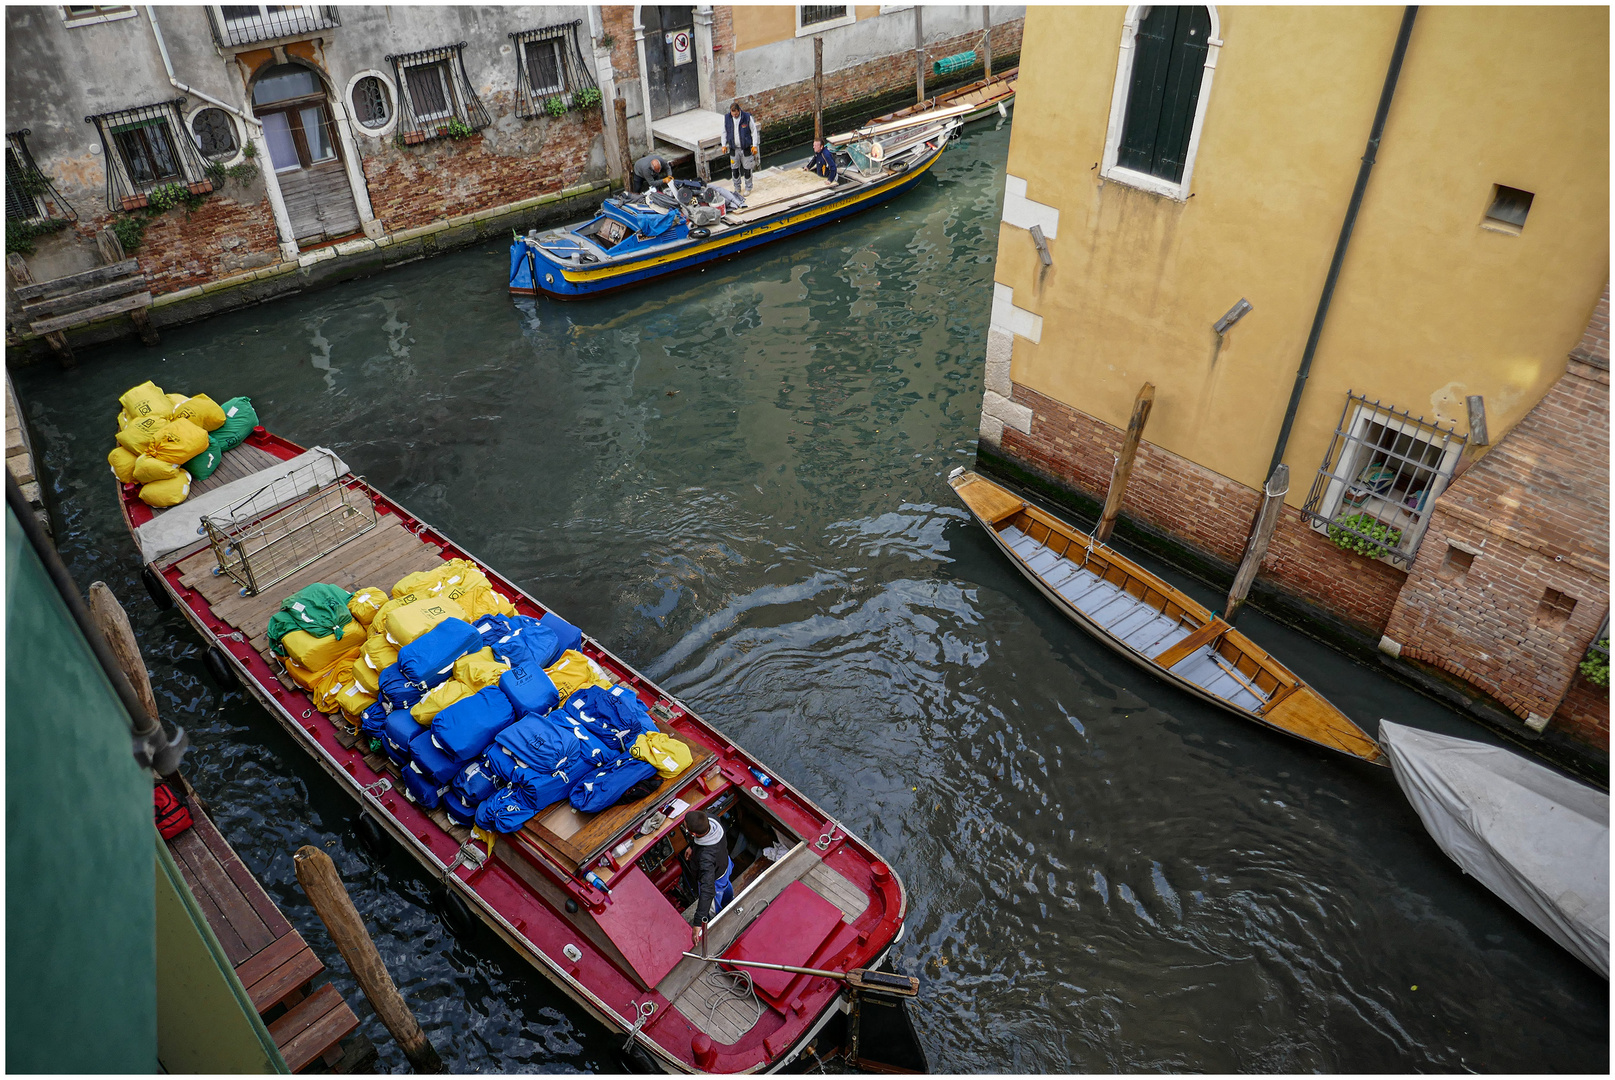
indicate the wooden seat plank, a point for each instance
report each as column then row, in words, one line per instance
column 293, row 972
column 269, row 958
column 312, row 1027
column 276, row 922
column 1203, row 635
column 229, row 938
column 75, row 282
column 990, row 502
column 84, row 298
column 116, row 307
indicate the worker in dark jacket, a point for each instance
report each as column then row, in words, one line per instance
column 740, row 141
column 708, row 865
column 648, row 171
column 823, row 161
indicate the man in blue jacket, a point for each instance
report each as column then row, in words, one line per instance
column 740, row 140
column 823, row 161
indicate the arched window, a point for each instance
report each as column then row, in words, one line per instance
column 1163, row 78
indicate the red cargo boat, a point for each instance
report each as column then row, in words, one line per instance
column 275, row 518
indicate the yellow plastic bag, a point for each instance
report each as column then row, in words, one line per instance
column 179, row 442
column 366, row 675
column 315, row 653
column 167, row 492
column 354, row 698
column 573, row 671
column 332, row 681
column 480, row 600
column 439, row 698
column 379, row 653
column 123, row 464
column 149, row 470
column 137, row 435
column 200, row 410
column 407, row 622
column 667, row 754
column 479, row 669
column 147, row 399
column 364, row 604
column 453, row 576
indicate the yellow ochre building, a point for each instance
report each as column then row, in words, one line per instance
column 1409, row 206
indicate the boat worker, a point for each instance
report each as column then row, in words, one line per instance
column 822, row 162
column 650, row 171
column 709, row 866
column 740, row 142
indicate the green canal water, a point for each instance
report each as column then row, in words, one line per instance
column 736, row 480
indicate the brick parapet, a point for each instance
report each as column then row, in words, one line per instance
column 1594, row 345
column 181, row 248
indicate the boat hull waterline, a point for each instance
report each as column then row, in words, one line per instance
column 1154, row 625
column 526, row 912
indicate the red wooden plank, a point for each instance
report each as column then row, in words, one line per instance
column 256, row 967
column 249, row 885
column 275, row 987
column 788, row 931
column 194, row 861
column 312, row 1027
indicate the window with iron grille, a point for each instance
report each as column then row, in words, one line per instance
column 242, row 24
column 435, row 95
column 1383, row 470
column 370, row 104
column 30, row 195
column 146, row 149
column 89, row 14
column 549, row 63
column 215, row 134
column 816, row 15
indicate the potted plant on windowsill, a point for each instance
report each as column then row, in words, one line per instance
column 201, row 187
column 414, row 138
column 1364, row 534
column 134, row 202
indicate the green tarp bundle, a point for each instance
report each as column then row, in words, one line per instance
column 320, row 610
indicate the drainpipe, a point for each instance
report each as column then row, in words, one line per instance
column 1391, row 75
column 277, row 205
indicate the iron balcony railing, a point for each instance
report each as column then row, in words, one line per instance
column 243, row 24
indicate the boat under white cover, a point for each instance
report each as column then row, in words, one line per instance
column 1535, row 838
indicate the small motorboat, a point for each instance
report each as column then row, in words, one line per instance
column 1537, row 839
column 984, row 97
column 1158, row 627
column 595, row 901
column 635, row 238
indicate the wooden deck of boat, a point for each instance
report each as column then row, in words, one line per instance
column 271, row 959
column 776, row 188
column 236, row 464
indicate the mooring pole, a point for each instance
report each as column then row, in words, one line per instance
column 986, row 42
column 1124, row 462
column 113, row 622
column 818, row 88
column 1278, row 485
column 320, row 881
column 919, row 54
column 619, row 106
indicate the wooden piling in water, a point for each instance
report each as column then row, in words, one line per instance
column 1278, row 485
column 919, row 54
column 323, row 886
column 986, row 42
column 1124, row 462
column 818, row 87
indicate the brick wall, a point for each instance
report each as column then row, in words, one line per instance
column 723, row 54
column 1204, row 510
column 1529, row 516
column 221, row 237
column 1584, row 713
column 617, row 20
column 786, row 111
column 516, row 159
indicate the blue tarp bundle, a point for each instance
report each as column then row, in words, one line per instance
column 616, row 717
column 603, row 787
column 398, row 691
column 422, row 788
column 396, row 733
column 429, row 659
column 464, row 729
column 642, row 220
column 373, row 721
column 519, row 639
column 461, row 809
column 557, row 744
column 567, row 636
column 431, row 758
column 529, row 689
column 476, row 782
column 503, row 812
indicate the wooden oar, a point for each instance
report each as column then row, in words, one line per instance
column 858, row 978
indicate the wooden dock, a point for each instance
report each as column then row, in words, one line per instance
column 271, row 959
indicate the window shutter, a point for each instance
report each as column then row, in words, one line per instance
column 1169, row 59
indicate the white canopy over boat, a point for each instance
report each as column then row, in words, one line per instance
column 1535, row 838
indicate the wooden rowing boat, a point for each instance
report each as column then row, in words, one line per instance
column 591, row 900
column 983, row 96
column 1156, row 626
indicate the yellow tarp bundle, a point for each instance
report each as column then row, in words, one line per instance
column 667, row 754
column 200, row 410
column 301, row 675
column 123, row 464
column 439, row 698
column 149, row 470
column 479, row 669
column 331, row 683
column 178, row 443
column 379, row 653
column 484, row 599
column 452, row 577
column 137, row 435
column 147, row 399
column 354, row 698
column 315, row 653
column 406, row 622
column 364, row 604
column 573, row 671
column 167, row 492
column 365, row 674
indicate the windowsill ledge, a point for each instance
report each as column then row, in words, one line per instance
column 1144, row 182
column 831, row 24
column 93, row 20
column 1501, row 227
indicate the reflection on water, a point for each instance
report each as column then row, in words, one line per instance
column 735, row 479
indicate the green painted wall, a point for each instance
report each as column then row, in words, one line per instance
column 81, row 985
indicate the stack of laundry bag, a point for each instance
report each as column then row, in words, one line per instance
column 166, row 441
column 492, row 715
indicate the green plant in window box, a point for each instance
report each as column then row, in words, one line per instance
column 555, row 105
column 457, row 129
column 1375, row 540
column 587, row 98
column 129, row 231
column 1596, row 669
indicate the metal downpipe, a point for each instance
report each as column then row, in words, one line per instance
column 1391, row 75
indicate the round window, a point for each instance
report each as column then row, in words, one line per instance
column 215, row 133
column 370, row 105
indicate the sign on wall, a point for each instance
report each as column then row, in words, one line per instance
column 680, row 40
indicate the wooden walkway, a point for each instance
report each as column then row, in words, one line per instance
column 271, row 959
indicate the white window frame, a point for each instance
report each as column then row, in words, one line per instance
column 1108, row 169
column 442, row 67
column 1335, row 494
column 393, row 106
column 820, row 27
column 100, row 16
column 241, row 135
